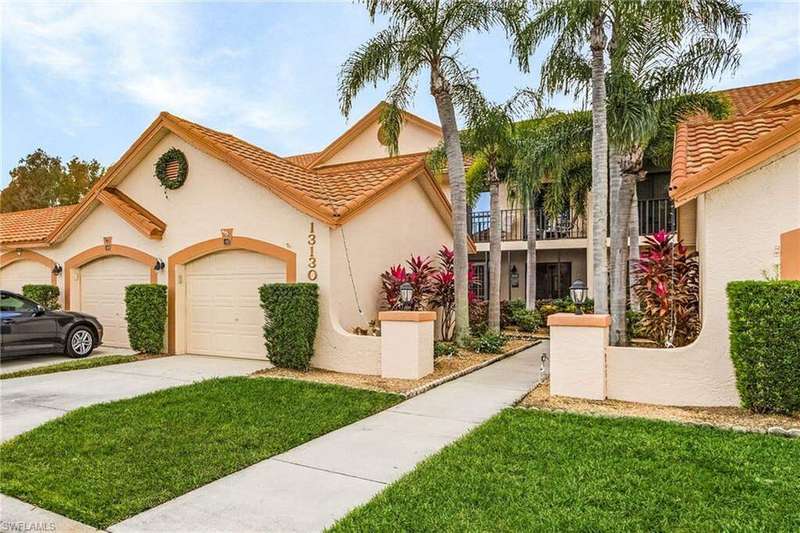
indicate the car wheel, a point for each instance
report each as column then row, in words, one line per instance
column 80, row 342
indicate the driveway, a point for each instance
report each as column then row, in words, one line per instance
column 29, row 402
column 34, row 361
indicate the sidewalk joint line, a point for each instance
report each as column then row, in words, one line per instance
column 320, row 469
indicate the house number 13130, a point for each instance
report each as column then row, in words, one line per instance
column 312, row 260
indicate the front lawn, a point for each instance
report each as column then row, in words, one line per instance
column 539, row 471
column 104, row 463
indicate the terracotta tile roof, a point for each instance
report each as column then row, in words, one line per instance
column 349, row 184
column 703, row 146
column 745, row 99
column 32, row 225
column 135, row 214
column 304, row 160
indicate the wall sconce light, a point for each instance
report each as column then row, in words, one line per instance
column 57, row 269
column 159, row 265
column 514, row 276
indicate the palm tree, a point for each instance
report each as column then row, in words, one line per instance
column 653, row 83
column 538, row 160
column 489, row 138
column 575, row 25
column 426, row 34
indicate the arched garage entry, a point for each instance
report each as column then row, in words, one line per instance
column 95, row 281
column 214, row 307
column 22, row 267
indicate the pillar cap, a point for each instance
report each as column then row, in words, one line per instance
column 407, row 316
column 584, row 321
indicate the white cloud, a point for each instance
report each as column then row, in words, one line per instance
column 149, row 53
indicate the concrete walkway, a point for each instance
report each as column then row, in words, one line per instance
column 313, row 485
column 31, row 401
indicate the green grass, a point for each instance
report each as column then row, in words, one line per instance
column 104, row 463
column 77, row 364
column 537, row 471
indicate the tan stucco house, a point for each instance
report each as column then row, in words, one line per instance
column 243, row 217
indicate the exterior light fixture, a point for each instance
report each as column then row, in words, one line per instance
column 514, row 276
column 406, row 295
column 57, row 269
column 159, row 265
column 578, row 293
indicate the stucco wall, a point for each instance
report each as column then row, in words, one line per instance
column 413, row 139
column 402, row 224
column 739, row 226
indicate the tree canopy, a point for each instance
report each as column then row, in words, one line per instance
column 41, row 180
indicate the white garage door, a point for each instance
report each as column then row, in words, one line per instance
column 15, row 275
column 223, row 312
column 103, row 285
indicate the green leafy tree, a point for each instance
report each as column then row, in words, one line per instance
column 425, row 35
column 41, row 180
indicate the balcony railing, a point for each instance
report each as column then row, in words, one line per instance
column 654, row 215
column 514, row 226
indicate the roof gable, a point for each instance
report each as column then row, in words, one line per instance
column 360, row 142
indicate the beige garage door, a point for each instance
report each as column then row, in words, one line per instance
column 103, row 285
column 223, row 315
column 15, row 275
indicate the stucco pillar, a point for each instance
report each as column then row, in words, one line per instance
column 406, row 343
column 578, row 355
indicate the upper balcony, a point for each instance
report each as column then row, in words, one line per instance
column 654, row 215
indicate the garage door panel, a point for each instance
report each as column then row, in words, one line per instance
column 223, row 310
column 103, row 285
column 19, row 273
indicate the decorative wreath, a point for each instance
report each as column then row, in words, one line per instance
column 171, row 180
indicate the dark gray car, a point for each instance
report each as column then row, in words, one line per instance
column 27, row 328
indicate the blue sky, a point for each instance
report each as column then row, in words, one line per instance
column 86, row 79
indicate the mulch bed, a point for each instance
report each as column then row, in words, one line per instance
column 723, row 417
column 444, row 368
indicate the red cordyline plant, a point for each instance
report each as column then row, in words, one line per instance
column 668, row 287
column 444, row 294
column 419, row 274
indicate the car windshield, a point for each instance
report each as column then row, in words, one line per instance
column 9, row 302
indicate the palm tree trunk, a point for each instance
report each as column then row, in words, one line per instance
column 530, row 290
column 633, row 252
column 599, row 169
column 495, row 253
column 458, row 199
column 619, row 244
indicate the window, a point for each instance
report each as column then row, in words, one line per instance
column 16, row 304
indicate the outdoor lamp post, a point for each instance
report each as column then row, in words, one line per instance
column 406, row 295
column 578, row 292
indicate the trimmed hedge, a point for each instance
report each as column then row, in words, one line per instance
column 146, row 313
column 291, row 315
column 44, row 295
column 764, row 319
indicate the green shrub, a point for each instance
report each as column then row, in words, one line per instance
column 444, row 349
column 146, row 313
column 633, row 319
column 764, row 319
column 291, row 315
column 527, row 320
column 44, row 295
column 489, row 342
column 548, row 309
